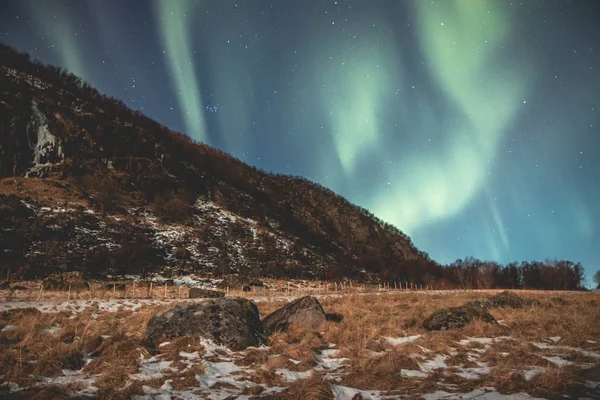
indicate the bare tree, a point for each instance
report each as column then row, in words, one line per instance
column 597, row 278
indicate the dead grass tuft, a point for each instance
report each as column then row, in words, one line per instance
column 306, row 389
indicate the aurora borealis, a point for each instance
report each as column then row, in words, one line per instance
column 471, row 125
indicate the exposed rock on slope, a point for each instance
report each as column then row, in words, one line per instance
column 124, row 194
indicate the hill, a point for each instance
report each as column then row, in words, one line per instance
column 88, row 184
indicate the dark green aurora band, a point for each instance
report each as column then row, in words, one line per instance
column 471, row 125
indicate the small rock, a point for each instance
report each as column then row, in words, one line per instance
column 305, row 311
column 456, row 317
column 231, row 321
column 198, row 293
column 334, row 317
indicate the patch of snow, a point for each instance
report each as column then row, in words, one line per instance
column 484, row 341
column 479, row 394
column 211, row 347
column 292, row 376
column 189, row 356
column 108, row 305
column 221, row 368
column 345, row 393
column 474, row 373
column 328, row 362
column 532, row 372
column 592, row 384
column 587, row 353
column 152, row 369
column 438, row 362
column 402, row 340
column 411, row 373
column 9, row 328
column 559, row 362
column 52, row 330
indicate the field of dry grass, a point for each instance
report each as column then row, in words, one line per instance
column 378, row 351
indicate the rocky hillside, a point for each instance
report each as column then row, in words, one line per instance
column 88, row 184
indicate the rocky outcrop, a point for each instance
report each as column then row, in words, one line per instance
column 198, row 293
column 305, row 311
column 231, row 321
column 456, row 317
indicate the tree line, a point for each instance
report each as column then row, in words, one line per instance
column 472, row 273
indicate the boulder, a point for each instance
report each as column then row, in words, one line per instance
column 456, row 317
column 230, row 321
column 66, row 281
column 508, row 299
column 197, row 293
column 483, row 304
column 305, row 311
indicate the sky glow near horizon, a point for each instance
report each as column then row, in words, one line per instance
column 470, row 125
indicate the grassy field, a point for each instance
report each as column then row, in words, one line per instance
column 97, row 348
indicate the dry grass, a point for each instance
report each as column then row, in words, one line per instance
column 45, row 344
column 306, row 389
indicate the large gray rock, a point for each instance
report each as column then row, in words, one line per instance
column 456, row 317
column 231, row 321
column 305, row 311
column 196, row 293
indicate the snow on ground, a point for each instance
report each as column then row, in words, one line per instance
column 587, row 353
column 108, row 305
column 402, row 340
column 479, row 394
column 346, row 393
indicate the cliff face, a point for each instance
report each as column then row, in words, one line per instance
column 87, row 184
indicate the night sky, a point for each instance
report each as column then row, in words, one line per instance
column 473, row 126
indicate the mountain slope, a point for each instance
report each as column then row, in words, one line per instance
column 88, row 184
